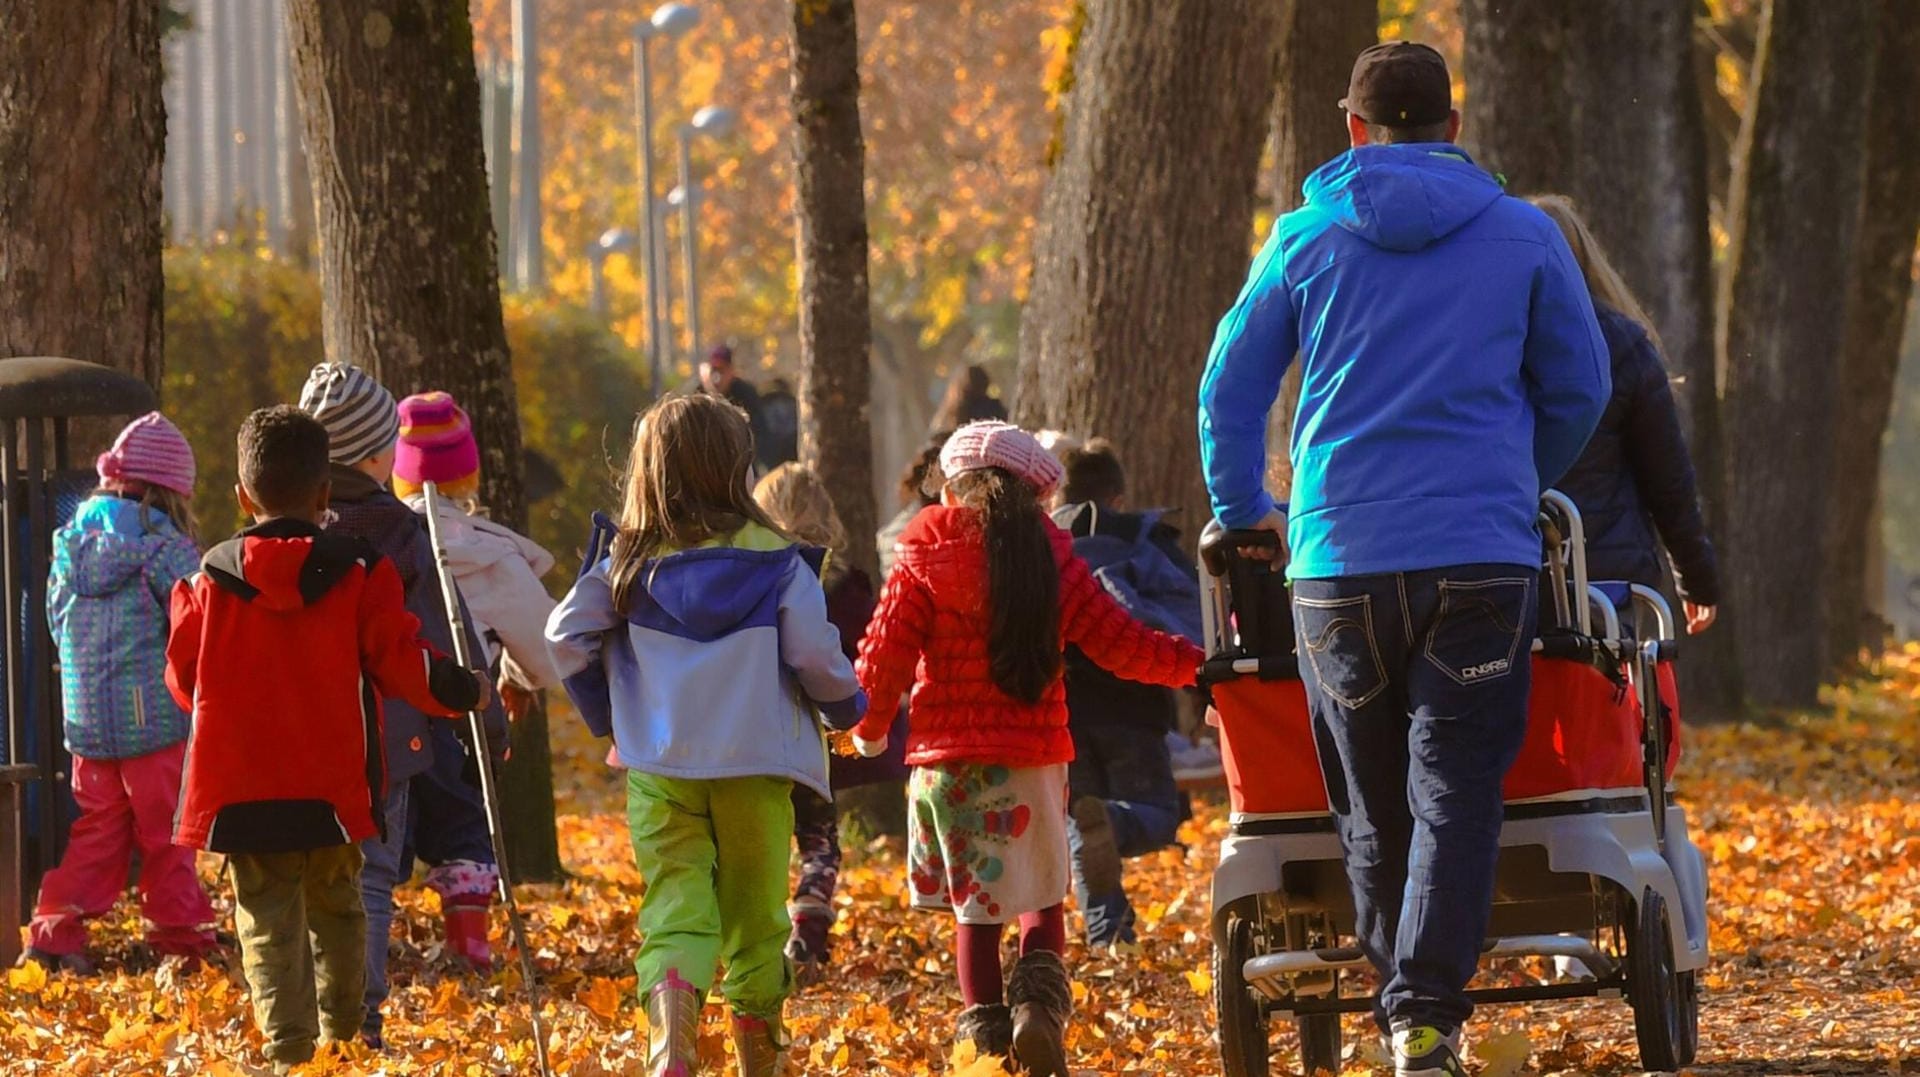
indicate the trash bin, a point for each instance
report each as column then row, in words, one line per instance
column 38, row 398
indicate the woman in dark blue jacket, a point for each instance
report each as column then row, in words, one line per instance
column 1634, row 483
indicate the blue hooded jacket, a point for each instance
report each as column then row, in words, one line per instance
column 1452, row 368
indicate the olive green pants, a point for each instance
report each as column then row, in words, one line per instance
column 714, row 856
column 303, row 944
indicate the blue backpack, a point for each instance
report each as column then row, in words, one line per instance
column 1136, row 573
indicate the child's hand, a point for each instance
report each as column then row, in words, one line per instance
column 484, row 684
column 517, row 700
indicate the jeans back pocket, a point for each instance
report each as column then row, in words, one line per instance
column 1337, row 636
column 1477, row 630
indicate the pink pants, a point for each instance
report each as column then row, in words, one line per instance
column 125, row 804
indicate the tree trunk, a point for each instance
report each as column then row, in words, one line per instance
column 1795, row 207
column 1879, row 286
column 829, row 154
column 1625, row 139
column 82, row 133
column 391, row 105
column 1144, row 231
column 1319, row 40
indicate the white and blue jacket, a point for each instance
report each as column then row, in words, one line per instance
column 725, row 666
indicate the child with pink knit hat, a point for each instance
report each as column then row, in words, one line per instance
column 498, row 573
column 114, row 567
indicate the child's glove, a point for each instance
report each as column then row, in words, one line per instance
column 870, row 748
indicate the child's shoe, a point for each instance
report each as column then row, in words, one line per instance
column 77, row 963
column 673, row 1028
column 759, row 1046
column 1110, row 921
column 467, row 935
column 808, row 945
column 989, row 1027
column 1042, row 999
column 1426, row 1051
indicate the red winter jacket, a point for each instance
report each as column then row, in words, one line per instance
column 930, row 632
column 282, row 646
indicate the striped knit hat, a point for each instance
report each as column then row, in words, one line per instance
column 150, row 450
column 992, row 443
column 359, row 414
column 437, row 446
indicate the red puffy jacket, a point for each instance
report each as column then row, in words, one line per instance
column 282, row 646
column 930, row 632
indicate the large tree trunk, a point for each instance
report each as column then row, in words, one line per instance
column 1795, row 207
column 1880, row 284
column 1144, row 232
column 829, row 154
column 1319, row 40
column 1625, row 139
column 391, row 105
column 82, row 132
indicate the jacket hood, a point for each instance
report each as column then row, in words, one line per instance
column 1404, row 197
column 475, row 542
column 285, row 564
column 107, row 546
column 715, row 590
column 945, row 548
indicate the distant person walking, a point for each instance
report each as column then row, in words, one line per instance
column 719, row 377
column 969, row 399
column 1453, row 370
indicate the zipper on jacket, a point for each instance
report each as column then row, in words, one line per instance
column 139, row 708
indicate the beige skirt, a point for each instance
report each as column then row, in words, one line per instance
column 988, row 842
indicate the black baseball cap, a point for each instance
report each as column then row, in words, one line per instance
column 1399, row 84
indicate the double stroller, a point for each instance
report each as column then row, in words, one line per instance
column 1596, row 864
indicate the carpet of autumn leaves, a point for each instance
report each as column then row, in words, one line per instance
column 1811, row 827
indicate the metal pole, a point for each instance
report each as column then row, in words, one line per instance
column 643, row 95
column 597, row 282
column 529, row 267
column 52, row 833
column 690, row 244
column 15, row 657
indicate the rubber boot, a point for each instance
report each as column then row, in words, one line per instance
column 673, row 1028
column 467, row 935
column 1042, row 1000
column 990, row 1027
column 759, row 1046
column 807, row 947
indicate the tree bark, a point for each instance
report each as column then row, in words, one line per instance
column 1793, row 217
column 836, row 436
column 1319, row 40
column 1144, row 231
column 1627, row 141
column 391, row 106
column 1879, row 287
column 82, row 134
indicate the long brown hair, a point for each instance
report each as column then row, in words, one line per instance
column 1603, row 281
column 175, row 506
column 689, row 481
column 1023, row 582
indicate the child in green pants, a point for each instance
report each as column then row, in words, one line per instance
column 701, row 643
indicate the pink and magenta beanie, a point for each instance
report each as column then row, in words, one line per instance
column 437, row 446
column 150, row 450
column 996, row 444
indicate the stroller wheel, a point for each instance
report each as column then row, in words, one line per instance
column 1319, row 1044
column 1666, row 1003
column 1241, row 1017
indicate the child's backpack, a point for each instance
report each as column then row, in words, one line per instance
column 1135, row 572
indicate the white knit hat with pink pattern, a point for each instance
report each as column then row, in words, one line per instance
column 992, row 443
column 150, row 450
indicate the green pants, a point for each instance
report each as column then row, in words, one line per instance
column 303, row 943
column 714, row 857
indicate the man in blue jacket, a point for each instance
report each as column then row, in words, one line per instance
column 1452, row 370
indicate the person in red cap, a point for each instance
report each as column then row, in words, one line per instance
column 975, row 618
column 113, row 567
column 497, row 571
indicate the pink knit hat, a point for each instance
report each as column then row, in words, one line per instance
column 437, row 446
column 996, row 444
column 150, row 450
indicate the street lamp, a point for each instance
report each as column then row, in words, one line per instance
column 669, row 21
column 712, row 122
column 612, row 241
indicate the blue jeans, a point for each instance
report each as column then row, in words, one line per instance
column 1418, row 686
column 1128, row 768
column 386, row 868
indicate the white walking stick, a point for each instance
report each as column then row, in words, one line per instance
column 488, row 792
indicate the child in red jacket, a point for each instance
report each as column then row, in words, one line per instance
column 279, row 645
column 980, row 606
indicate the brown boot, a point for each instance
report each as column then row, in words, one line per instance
column 673, row 1028
column 989, row 1027
column 1042, row 1000
column 760, row 1045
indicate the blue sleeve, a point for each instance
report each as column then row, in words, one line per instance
column 810, row 648
column 1252, row 349
column 1565, row 364
column 576, row 631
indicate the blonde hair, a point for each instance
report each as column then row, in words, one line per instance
column 687, row 482
column 794, row 496
column 175, row 506
column 1602, row 279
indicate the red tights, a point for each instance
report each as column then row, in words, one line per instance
column 976, row 952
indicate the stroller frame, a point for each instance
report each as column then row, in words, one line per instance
column 1610, row 877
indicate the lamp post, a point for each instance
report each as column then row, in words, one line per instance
column 670, row 21
column 712, row 122
column 612, row 241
